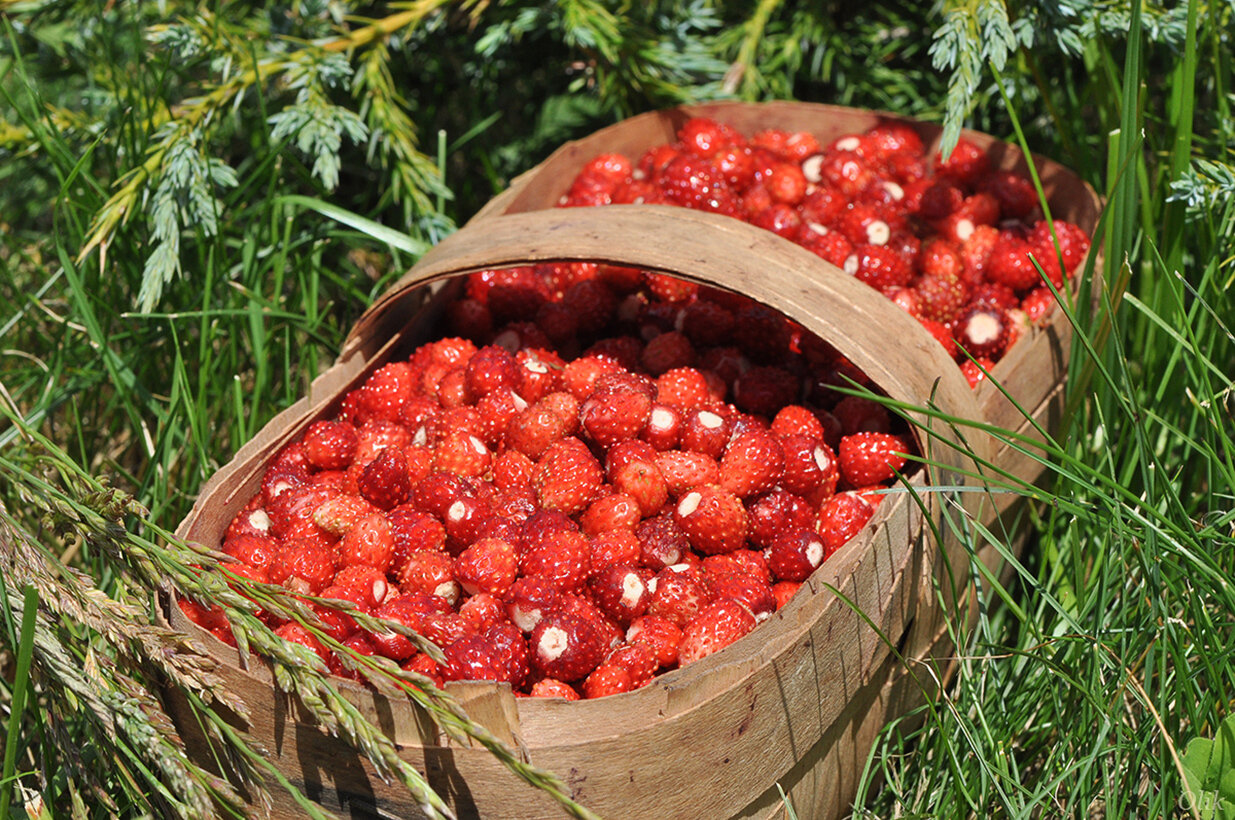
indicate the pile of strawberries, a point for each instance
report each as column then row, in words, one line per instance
column 608, row 473
column 625, row 476
column 949, row 241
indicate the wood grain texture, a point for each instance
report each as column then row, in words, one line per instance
column 798, row 701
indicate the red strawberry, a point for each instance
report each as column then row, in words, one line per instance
column 643, row 481
column 871, row 458
column 752, row 463
column 659, row 636
column 713, row 519
column 369, row 542
column 797, row 420
column 661, row 541
column 384, row 392
column 431, row 573
column 568, row 477
column 706, row 323
column 340, row 513
column 783, row 592
column 975, row 370
column 717, row 626
column 841, row 518
column 607, row 680
column 685, row 470
column 637, row 659
column 983, row 331
column 752, row 593
column 706, row 432
column 965, row 166
column 664, row 427
column 566, row 647
column 370, row 585
column 612, row 415
column 553, row 688
column 532, row 431
column 620, row 546
column 667, row 351
column 611, row 512
column 330, row 445
column 473, row 657
column 679, row 593
column 940, row 297
column 1038, row 304
column 304, row 567
column 1009, row 264
column 579, row 376
column 489, row 565
column 858, row 414
column 529, row 600
column 810, row 467
column 765, row 390
column 293, row 632
column 561, row 558
column 385, row 481
column 463, row 454
column 483, row 610
column 1073, row 242
column 539, row 373
column 621, row 591
column 254, row 550
column 796, row 553
column 1015, row 193
column 775, row 512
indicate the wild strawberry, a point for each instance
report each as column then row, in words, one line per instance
column 466, row 519
column 859, row 414
column 611, row 512
column 868, row 225
column 938, row 199
column 660, row 636
column 976, row 251
column 254, row 550
column 810, row 467
column 407, row 610
column 473, row 658
column 706, row 432
column 414, row 530
column 940, row 297
column 561, row 558
column 643, row 481
column 846, row 170
column 489, row 565
column 431, row 573
column 871, row 458
column 303, row 566
column 705, row 323
column 751, row 464
column 664, row 427
column 532, row 431
column 1015, row 193
column 483, row 610
column 976, row 370
column 330, row 445
column 384, row 392
column 713, row 519
column 566, row 647
column 775, row 512
column 685, row 470
column 878, row 266
column 489, row 369
column 783, row 592
column 942, row 335
column 1073, row 242
column 617, row 546
column 840, row 518
column 761, row 333
column 752, row 593
column 983, row 331
column 340, row 513
column 621, row 591
column 369, row 542
column 714, row 628
column 607, row 680
column 567, row 477
column 251, row 520
column 1009, row 264
column 796, row 553
column 293, row 632
column 661, row 541
column 679, row 593
column 512, row 651
column 1038, row 304
column 612, row 415
column 530, row 599
column 384, row 482
column 377, row 435
column 367, row 587
column 764, row 390
column 965, row 166
column 553, row 688
column 978, row 209
column 940, row 257
column 794, row 419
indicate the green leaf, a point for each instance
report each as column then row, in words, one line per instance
column 1209, row 773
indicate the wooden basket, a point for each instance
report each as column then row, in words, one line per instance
column 796, row 703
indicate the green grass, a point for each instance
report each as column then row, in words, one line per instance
column 1081, row 683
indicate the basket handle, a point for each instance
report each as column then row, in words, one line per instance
column 886, row 343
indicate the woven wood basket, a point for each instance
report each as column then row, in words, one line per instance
column 796, row 703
